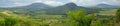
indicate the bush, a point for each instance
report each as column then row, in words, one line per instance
column 103, row 22
column 10, row 19
column 118, row 16
column 79, row 18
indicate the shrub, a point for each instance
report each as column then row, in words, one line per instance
column 79, row 18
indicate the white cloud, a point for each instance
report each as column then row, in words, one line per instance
column 85, row 2
column 74, row 0
column 59, row 2
column 105, row 2
column 27, row 2
column 20, row 4
column 53, row 3
column 117, row 1
column 38, row 1
column 94, row 2
column 114, row 2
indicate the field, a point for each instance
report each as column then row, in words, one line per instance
column 108, row 12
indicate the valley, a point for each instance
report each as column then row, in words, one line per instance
column 70, row 14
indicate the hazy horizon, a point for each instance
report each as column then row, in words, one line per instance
column 12, row 3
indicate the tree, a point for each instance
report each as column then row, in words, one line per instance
column 8, row 18
column 79, row 18
column 118, row 16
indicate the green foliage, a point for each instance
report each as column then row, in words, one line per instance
column 10, row 19
column 103, row 22
column 79, row 18
column 118, row 16
column 40, row 18
column 2, row 22
column 108, row 11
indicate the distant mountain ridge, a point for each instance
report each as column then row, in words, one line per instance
column 38, row 5
column 63, row 9
column 41, row 8
column 106, row 6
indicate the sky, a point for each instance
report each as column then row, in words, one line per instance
column 13, row 3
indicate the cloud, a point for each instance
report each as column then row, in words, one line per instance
column 53, row 3
column 57, row 2
column 21, row 4
column 48, row 2
column 113, row 2
column 94, row 2
column 85, row 2
column 38, row 1
column 27, row 2
column 117, row 1
column 105, row 2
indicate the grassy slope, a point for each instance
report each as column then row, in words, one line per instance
column 108, row 12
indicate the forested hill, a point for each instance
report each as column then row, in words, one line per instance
column 41, row 8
